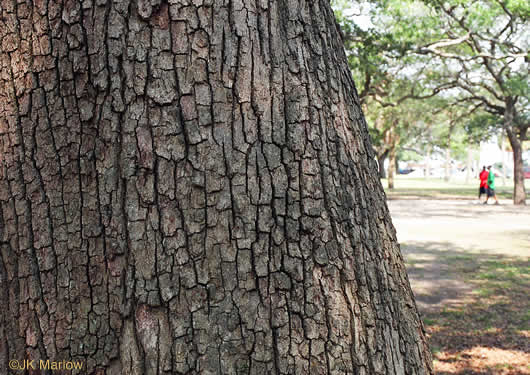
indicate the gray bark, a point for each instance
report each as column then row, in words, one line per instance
column 189, row 188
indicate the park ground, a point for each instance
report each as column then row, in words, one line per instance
column 469, row 268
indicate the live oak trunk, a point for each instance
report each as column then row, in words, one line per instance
column 189, row 188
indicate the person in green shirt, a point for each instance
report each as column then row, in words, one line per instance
column 491, row 186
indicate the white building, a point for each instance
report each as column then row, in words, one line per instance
column 491, row 153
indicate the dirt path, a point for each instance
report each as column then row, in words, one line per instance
column 469, row 268
column 434, row 234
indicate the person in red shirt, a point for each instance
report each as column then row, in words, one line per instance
column 483, row 189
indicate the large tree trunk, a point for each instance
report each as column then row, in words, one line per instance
column 189, row 188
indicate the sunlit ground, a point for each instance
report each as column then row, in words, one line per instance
column 469, row 267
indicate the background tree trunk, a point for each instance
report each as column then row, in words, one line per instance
column 447, row 167
column 428, row 162
column 519, row 193
column 503, row 151
column 469, row 166
column 381, row 163
column 189, row 188
column 392, row 156
column 392, row 166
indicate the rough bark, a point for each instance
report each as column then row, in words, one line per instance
column 189, row 188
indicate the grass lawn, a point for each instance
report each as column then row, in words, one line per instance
column 487, row 331
column 469, row 268
column 437, row 188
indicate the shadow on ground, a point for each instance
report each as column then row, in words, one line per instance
column 462, row 209
column 475, row 307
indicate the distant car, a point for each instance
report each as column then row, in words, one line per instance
column 526, row 171
column 405, row 171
